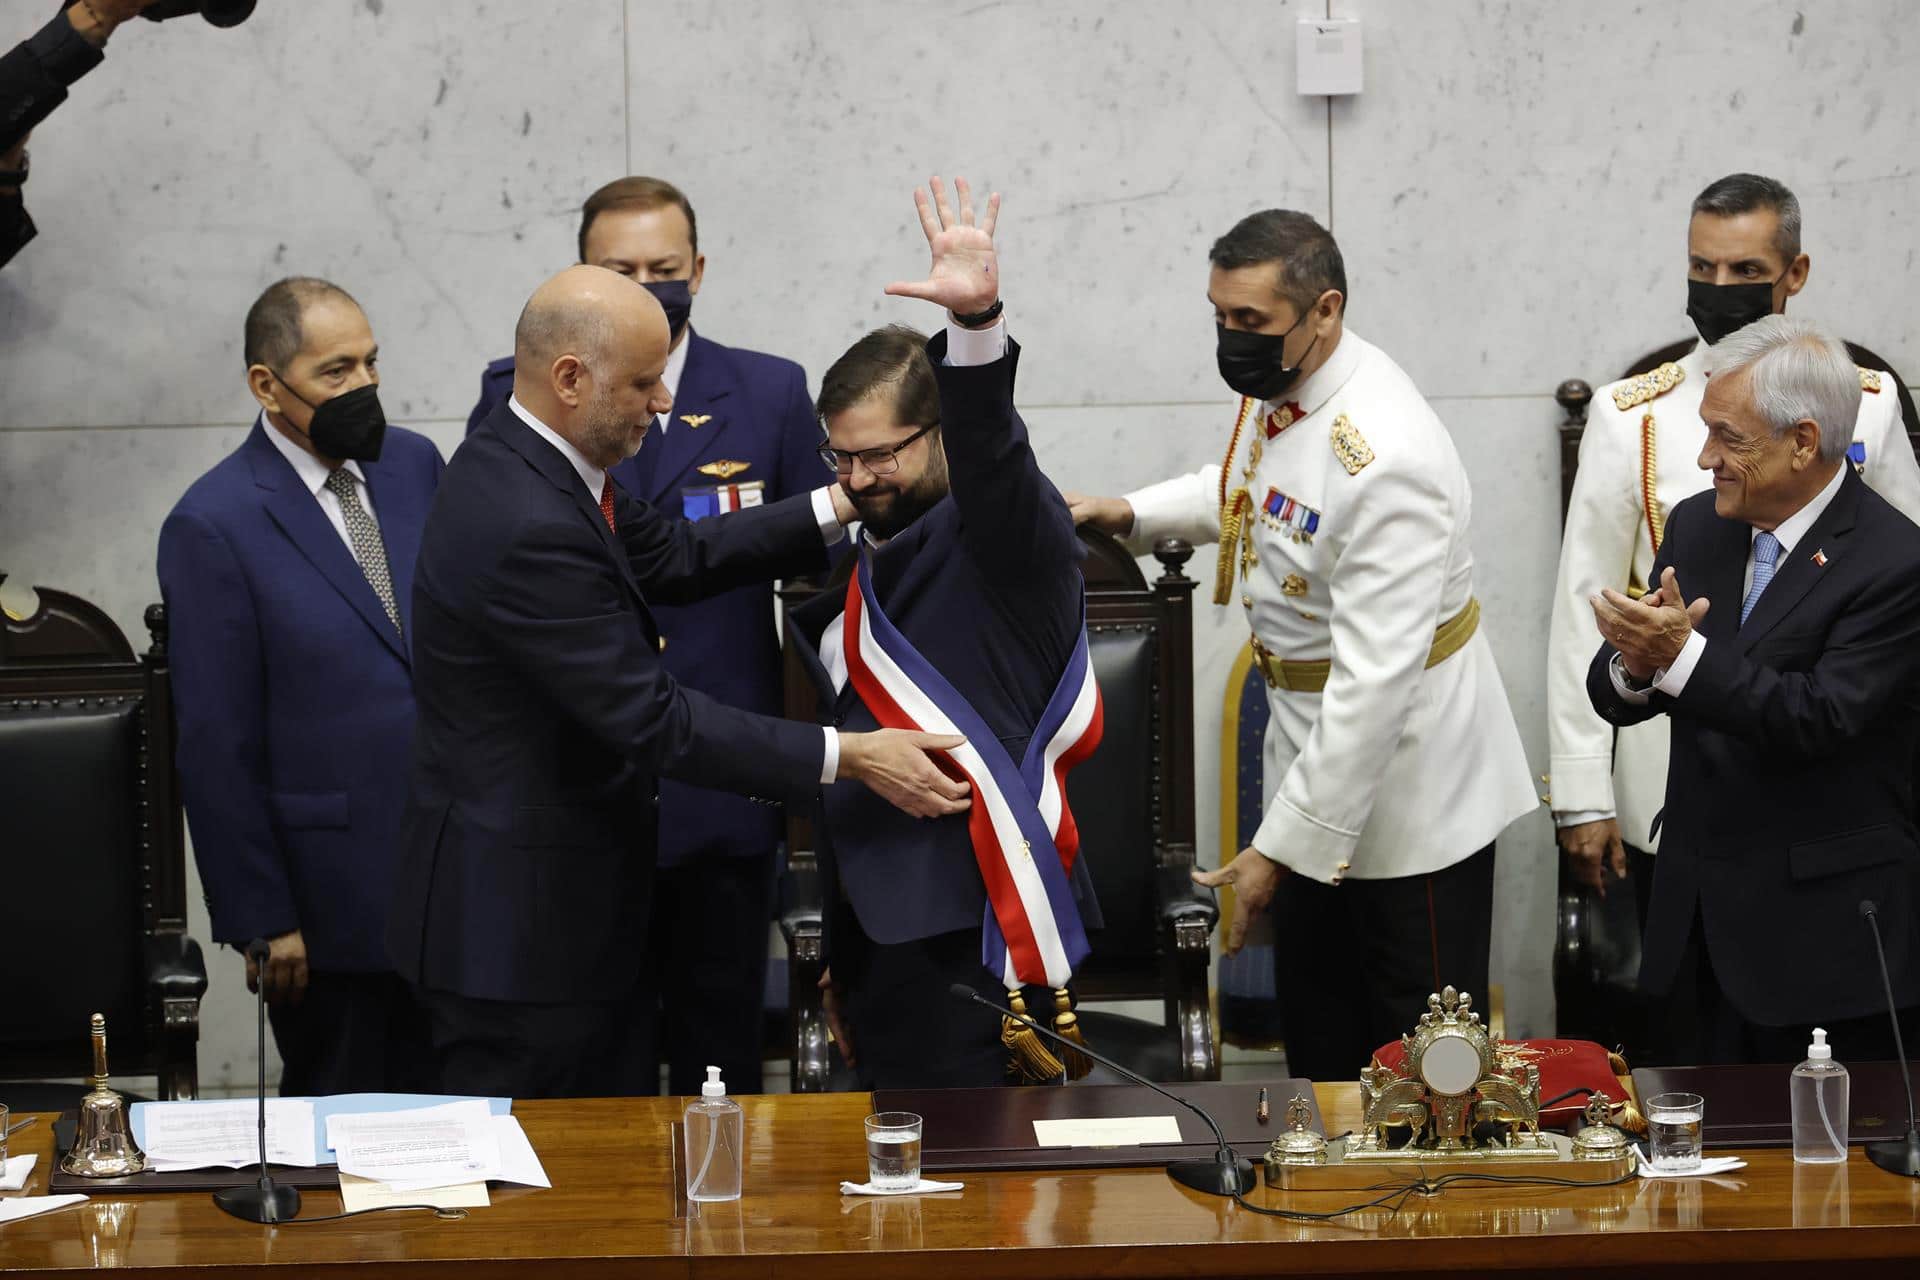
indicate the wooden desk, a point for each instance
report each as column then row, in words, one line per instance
column 611, row 1212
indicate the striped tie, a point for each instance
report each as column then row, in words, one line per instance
column 1766, row 550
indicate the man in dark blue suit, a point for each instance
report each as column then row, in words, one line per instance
column 975, row 562
column 742, row 432
column 1791, row 676
column 546, row 717
column 288, row 572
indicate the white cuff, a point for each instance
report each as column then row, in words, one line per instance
column 976, row 346
column 1580, row 817
column 1673, row 681
column 831, row 530
column 1617, row 673
column 830, row 767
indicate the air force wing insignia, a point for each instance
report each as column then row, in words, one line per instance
column 723, row 468
column 696, row 420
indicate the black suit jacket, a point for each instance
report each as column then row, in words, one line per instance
column 545, row 719
column 1789, row 795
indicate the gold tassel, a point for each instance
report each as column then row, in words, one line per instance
column 1626, row 1113
column 1232, row 519
column 1067, row 1023
column 1032, row 1063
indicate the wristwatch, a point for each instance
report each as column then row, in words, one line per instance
column 980, row 318
column 15, row 177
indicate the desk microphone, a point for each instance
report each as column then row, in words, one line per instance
column 1226, row 1174
column 264, row 1201
column 1895, row 1155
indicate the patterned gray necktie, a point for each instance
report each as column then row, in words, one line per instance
column 365, row 536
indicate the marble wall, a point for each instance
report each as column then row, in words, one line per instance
column 1510, row 191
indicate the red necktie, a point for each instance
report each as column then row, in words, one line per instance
column 606, row 503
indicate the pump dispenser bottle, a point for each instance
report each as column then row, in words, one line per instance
column 1820, row 1088
column 715, row 1128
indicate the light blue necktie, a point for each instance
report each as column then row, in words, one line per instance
column 1766, row 551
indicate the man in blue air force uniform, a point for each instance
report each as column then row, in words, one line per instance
column 288, row 575
column 741, row 433
column 974, row 560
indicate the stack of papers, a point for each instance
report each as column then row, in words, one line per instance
column 226, row 1135
column 28, row 1206
column 454, row 1144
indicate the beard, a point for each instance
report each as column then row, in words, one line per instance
column 607, row 434
column 888, row 512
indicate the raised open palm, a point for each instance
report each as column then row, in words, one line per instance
column 965, row 274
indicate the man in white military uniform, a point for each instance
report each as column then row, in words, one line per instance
column 1638, row 459
column 1391, row 756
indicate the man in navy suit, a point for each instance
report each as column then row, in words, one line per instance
column 974, row 560
column 288, row 571
column 742, row 431
column 1791, row 676
column 546, row 717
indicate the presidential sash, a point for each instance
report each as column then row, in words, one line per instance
column 1024, row 837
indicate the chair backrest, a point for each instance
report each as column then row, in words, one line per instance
column 1574, row 395
column 92, row 869
column 1133, row 798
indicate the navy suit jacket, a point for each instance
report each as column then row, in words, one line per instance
column 545, row 718
column 294, row 696
column 753, row 409
column 987, row 587
column 1789, row 792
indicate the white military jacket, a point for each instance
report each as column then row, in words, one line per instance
column 1639, row 458
column 1359, row 513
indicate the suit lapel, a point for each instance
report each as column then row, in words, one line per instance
column 1798, row 570
column 704, row 388
column 1724, row 566
column 547, row 460
column 297, row 512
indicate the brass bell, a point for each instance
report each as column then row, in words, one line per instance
column 103, row 1145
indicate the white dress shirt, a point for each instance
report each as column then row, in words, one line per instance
column 676, row 365
column 313, row 474
column 1672, row 680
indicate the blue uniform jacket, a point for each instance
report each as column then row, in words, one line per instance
column 546, row 718
column 294, row 696
column 987, row 587
column 752, row 409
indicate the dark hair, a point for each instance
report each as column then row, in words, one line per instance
column 1739, row 193
column 1310, row 261
column 636, row 193
column 273, row 331
column 895, row 357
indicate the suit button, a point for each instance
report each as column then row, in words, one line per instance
column 1247, row 601
column 663, row 644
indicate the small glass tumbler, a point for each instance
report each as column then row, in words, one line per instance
column 893, row 1151
column 1675, row 1122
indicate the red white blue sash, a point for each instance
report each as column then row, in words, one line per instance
column 1024, row 837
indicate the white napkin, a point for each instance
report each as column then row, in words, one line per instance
column 924, row 1185
column 14, row 1176
column 27, row 1206
column 1718, row 1164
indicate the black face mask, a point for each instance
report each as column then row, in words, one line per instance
column 1254, row 365
column 351, row 425
column 675, row 298
column 1721, row 309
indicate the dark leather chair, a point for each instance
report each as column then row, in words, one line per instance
column 1133, row 800
column 1596, row 957
column 92, row 880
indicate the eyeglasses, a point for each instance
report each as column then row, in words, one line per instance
column 878, row 462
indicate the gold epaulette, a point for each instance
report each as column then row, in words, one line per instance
column 1350, row 446
column 1648, row 386
column 1869, row 380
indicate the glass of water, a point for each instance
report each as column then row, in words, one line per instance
column 1674, row 1125
column 893, row 1151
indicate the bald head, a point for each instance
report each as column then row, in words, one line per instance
column 588, row 355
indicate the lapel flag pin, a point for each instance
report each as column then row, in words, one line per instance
column 1820, row 558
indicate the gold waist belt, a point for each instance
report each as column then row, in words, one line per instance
column 1310, row 676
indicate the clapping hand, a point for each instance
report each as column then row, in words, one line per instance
column 965, row 274
column 1649, row 632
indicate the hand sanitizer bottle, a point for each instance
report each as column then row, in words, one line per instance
column 715, row 1129
column 1819, row 1106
